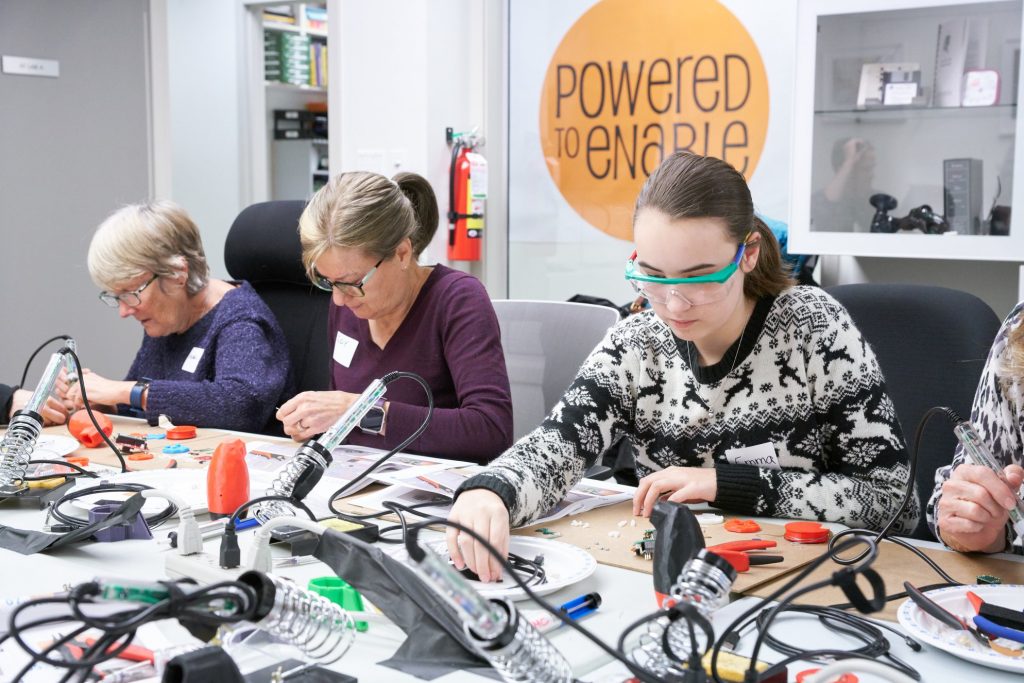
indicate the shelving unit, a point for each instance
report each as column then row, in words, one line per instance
column 281, row 55
column 854, row 151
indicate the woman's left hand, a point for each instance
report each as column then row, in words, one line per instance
column 101, row 391
column 677, row 484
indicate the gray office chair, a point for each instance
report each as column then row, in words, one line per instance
column 545, row 343
column 931, row 344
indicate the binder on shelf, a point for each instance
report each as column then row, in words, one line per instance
column 961, row 45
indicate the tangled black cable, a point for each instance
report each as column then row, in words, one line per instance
column 870, row 633
column 412, row 542
column 908, row 495
column 73, row 522
column 531, row 571
column 219, row 603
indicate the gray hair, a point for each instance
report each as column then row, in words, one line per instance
column 157, row 237
column 367, row 211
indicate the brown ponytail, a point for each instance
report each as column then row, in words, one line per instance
column 424, row 206
column 367, row 211
column 687, row 185
column 769, row 276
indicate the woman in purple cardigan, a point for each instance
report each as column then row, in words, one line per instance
column 361, row 237
column 213, row 354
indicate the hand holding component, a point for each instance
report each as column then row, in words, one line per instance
column 484, row 512
column 102, row 392
column 676, row 484
column 313, row 412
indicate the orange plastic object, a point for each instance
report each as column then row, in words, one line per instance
column 227, row 480
column 181, row 432
column 742, row 526
column 843, row 678
column 140, row 456
column 806, row 532
column 81, row 428
column 80, row 460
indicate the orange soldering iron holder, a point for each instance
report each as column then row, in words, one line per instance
column 227, row 480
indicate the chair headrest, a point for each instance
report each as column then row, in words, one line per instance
column 263, row 243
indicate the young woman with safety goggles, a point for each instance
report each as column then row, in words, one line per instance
column 736, row 388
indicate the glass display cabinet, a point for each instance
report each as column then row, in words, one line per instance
column 906, row 129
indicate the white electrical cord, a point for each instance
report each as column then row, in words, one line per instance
column 258, row 557
column 859, row 666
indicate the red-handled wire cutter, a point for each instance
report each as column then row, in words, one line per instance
column 735, row 553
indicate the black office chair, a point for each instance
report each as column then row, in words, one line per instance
column 263, row 247
column 931, row 343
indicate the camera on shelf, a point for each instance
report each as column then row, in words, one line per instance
column 921, row 218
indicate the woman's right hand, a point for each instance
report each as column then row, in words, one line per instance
column 484, row 512
column 975, row 505
column 313, row 412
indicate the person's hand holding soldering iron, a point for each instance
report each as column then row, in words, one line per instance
column 975, row 505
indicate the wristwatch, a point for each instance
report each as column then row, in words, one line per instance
column 373, row 421
column 135, row 397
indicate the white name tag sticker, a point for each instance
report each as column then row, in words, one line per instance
column 344, row 349
column 192, row 362
column 761, row 455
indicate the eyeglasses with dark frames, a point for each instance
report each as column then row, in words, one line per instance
column 354, row 289
column 130, row 299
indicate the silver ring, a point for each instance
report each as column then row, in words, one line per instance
column 302, row 426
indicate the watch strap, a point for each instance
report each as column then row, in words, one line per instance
column 135, row 397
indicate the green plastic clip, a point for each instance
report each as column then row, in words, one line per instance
column 341, row 593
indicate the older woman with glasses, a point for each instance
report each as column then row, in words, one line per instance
column 736, row 388
column 213, row 354
column 362, row 235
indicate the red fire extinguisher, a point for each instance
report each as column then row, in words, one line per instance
column 467, row 192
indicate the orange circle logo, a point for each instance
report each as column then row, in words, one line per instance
column 632, row 82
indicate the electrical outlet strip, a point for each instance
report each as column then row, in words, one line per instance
column 203, row 567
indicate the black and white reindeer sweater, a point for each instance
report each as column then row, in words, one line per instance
column 803, row 379
column 998, row 415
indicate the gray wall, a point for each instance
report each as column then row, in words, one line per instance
column 72, row 149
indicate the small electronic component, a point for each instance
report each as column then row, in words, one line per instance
column 989, row 580
column 130, row 444
column 645, row 546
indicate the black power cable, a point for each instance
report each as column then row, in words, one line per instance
column 24, row 374
column 153, row 521
column 388, row 379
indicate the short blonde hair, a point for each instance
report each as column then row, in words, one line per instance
column 157, row 237
column 363, row 210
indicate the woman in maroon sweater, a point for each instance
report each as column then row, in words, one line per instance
column 361, row 237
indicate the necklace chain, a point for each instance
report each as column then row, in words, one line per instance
column 735, row 357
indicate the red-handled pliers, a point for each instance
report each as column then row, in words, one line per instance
column 735, row 553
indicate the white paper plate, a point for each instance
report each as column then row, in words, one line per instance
column 187, row 484
column 928, row 630
column 54, row 446
column 564, row 564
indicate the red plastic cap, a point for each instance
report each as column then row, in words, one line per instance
column 181, row 432
column 806, row 532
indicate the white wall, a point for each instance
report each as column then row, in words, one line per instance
column 207, row 108
column 406, row 70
